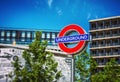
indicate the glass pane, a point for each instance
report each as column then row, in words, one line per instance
column 48, row 35
column 2, row 33
column 43, row 35
column 13, row 34
column 8, row 33
column 28, row 34
column 8, row 39
column 23, row 34
column 53, row 35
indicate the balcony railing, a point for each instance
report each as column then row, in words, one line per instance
column 94, row 46
column 104, row 62
column 105, row 45
column 105, row 36
column 101, row 63
column 101, row 45
column 106, row 54
column 106, row 26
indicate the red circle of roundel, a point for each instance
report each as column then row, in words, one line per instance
column 80, row 44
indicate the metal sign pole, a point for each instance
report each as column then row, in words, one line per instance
column 73, row 69
column 64, row 37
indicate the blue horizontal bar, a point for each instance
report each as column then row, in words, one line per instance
column 81, row 37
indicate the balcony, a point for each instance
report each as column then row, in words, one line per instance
column 106, row 55
column 105, row 45
column 101, row 54
column 100, row 36
column 101, row 66
column 114, row 25
column 106, row 37
column 101, row 63
column 101, row 45
column 105, row 28
column 94, row 46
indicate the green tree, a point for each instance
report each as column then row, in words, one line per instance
column 110, row 73
column 93, row 67
column 82, row 67
column 40, row 65
column 86, row 68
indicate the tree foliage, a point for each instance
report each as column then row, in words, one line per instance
column 86, row 68
column 40, row 65
column 110, row 73
column 82, row 67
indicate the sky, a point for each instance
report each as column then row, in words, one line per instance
column 55, row 14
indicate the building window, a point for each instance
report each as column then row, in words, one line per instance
column 48, row 41
column 53, row 41
column 34, row 34
column 13, row 39
column 28, row 40
column 23, row 34
column 33, row 40
column 8, row 34
column 100, row 25
column 48, row 35
column 28, row 34
column 93, row 26
column 107, row 24
column 115, row 32
column 8, row 39
column 2, row 39
column 2, row 33
column 53, row 35
column 23, row 39
column 114, row 22
column 43, row 35
column 13, row 34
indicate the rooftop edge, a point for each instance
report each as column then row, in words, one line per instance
column 100, row 19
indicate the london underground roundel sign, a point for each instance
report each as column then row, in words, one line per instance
column 81, row 39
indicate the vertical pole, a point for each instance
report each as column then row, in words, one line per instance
column 73, row 69
column 6, row 78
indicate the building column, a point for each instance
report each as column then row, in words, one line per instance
column 104, row 42
column 110, row 32
column 119, row 50
column 96, row 25
column 97, row 53
column 103, row 24
column 96, row 34
column 117, row 22
column 103, row 33
column 111, row 42
column 97, row 43
column 104, row 52
column 111, row 51
column 118, row 41
column 110, row 22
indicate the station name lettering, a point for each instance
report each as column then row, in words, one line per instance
column 71, row 38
